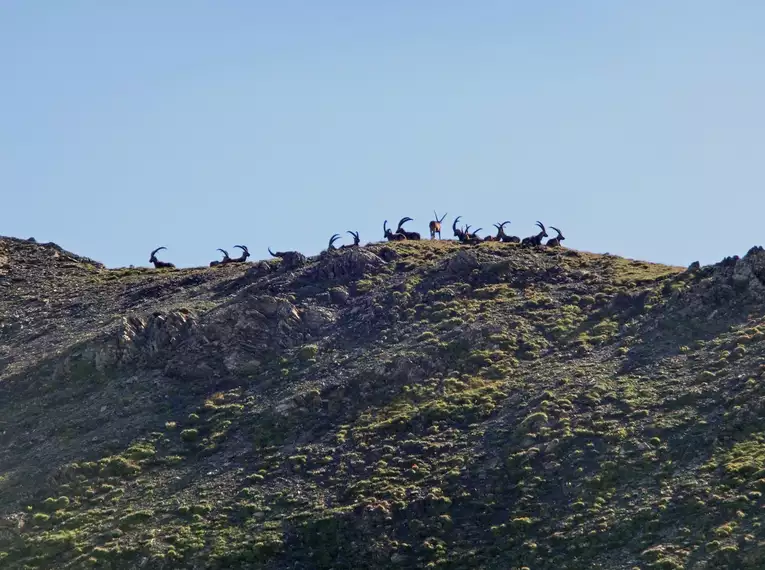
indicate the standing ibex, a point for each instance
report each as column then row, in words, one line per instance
column 435, row 225
column 401, row 230
column 537, row 239
column 157, row 263
column 555, row 242
column 389, row 235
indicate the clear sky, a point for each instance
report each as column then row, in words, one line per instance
column 637, row 127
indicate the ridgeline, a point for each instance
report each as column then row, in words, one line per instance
column 401, row 405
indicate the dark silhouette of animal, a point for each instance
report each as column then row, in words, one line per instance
column 390, row 235
column 332, row 240
column 157, row 263
column 242, row 258
column 435, row 225
column 471, row 237
column 555, row 242
column 226, row 259
column 536, row 239
column 356, row 240
column 503, row 237
column 458, row 233
column 401, row 230
column 500, row 232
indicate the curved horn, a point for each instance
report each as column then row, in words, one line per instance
column 156, row 250
column 476, row 231
column 271, row 252
column 454, row 225
column 497, row 226
column 541, row 225
column 503, row 224
column 402, row 222
column 333, row 239
column 557, row 230
column 385, row 226
column 243, row 248
column 354, row 234
column 224, row 251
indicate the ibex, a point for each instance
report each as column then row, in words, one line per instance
column 537, row 239
column 157, row 263
column 471, row 237
column 226, row 259
column 242, row 258
column 389, row 235
column 356, row 240
column 435, row 225
column 555, row 242
column 458, row 233
column 332, row 240
column 503, row 237
column 409, row 235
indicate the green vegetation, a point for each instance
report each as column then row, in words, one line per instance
column 479, row 407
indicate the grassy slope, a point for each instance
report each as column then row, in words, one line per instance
column 498, row 409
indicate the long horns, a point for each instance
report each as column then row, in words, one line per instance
column 333, row 239
column 560, row 233
column 441, row 219
column 541, row 225
column 404, row 220
column 153, row 253
column 243, row 248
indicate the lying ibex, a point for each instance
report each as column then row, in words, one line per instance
column 500, row 232
column 242, row 258
column 356, row 240
column 401, row 230
column 471, row 237
column 332, row 240
column 278, row 253
column 435, row 226
column 537, row 239
column 389, row 235
column 226, row 259
column 503, row 237
column 555, row 242
column 157, row 263
column 458, row 233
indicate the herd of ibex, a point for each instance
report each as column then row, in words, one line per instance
column 463, row 235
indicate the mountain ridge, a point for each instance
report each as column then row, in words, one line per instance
column 418, row 404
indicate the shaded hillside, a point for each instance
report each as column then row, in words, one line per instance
column 412, row 405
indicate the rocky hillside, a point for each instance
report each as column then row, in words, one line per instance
column 408, row 405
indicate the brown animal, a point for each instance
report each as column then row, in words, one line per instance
column 435, row 226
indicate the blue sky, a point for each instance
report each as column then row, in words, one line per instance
column 636, row 127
